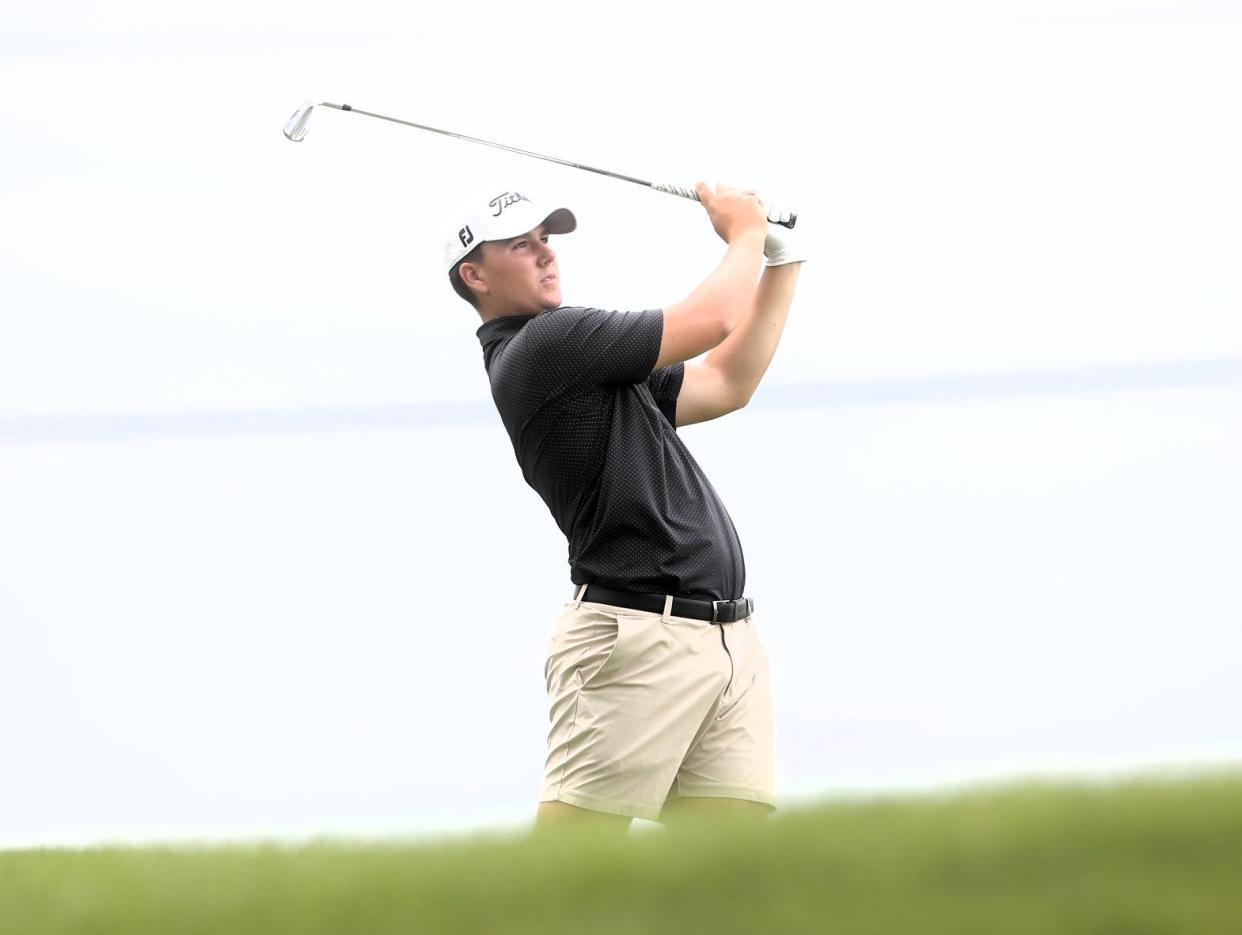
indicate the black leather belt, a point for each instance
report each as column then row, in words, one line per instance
column 715, row 611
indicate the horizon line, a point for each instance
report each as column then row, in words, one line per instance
column 832, row 394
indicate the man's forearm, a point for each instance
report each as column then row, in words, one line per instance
column 743, row 356
column 730, row 289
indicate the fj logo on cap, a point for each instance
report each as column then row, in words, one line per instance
column 503, row 200
column 466, row 236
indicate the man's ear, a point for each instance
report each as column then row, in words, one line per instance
column 471, row 275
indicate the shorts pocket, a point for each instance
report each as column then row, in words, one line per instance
column 580, row 649
column 603, row 653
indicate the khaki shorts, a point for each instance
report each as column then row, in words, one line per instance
column 648, row 707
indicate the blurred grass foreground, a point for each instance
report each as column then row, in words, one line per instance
column 1135, row 857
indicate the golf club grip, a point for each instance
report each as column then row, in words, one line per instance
column 774, row 215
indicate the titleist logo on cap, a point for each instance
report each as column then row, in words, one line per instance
column 503, row 200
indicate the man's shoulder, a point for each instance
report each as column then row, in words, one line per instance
column 576, row 345
column 555, row 324
column 586, row 319
column 564, row 314
column 507, row 327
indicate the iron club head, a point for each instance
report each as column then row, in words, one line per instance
column 295, row 126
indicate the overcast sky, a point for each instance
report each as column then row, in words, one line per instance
column 267, row 563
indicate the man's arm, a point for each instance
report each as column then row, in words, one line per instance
column 714, row 309
column 727, row 377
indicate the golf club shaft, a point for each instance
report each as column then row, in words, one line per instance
column 788, row 219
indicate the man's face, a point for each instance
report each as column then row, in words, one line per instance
column 521, row 274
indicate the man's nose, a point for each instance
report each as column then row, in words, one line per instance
column 547, row 255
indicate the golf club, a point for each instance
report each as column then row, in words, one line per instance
column 295, row 129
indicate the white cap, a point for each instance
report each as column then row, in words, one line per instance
column 498, row 216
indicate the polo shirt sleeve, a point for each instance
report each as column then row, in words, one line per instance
column 665, row 386
column 589, row 346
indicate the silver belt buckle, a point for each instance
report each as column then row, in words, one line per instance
column 741, row 604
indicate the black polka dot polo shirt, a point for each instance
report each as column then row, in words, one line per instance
column 592, row 425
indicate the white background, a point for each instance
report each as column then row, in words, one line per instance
column 267, row 563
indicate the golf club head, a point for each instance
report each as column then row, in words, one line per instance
column 295, row 126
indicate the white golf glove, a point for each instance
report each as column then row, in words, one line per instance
column 783, row 246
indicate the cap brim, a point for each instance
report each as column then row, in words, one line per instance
column 560, row 221
column 517, row 223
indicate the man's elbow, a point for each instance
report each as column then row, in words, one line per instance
column 739, row 396
column 730, row 317
column 716, row 329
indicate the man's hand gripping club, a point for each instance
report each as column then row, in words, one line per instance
column 734, row 214
column 730, row 215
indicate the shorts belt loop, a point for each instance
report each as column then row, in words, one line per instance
column 668, row 607
column 578, row 596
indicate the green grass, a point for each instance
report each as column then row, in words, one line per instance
column 1137, row 857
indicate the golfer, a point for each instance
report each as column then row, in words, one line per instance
column 657, row 679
